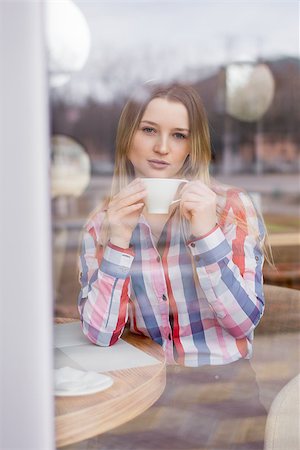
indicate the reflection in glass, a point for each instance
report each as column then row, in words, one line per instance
column 262, row 136
column 70, row 170
column 70, row 176
column 249, row 90
column 68, row 40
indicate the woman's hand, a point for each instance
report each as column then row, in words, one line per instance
column 123, row 212
column 198, row 206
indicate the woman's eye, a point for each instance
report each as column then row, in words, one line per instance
column 148, row 130
column 180, row 136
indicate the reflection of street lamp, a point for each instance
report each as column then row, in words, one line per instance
column 249, row 90
column 67, row 38
column 249, row 94
column 70, row 171
column 70, row 176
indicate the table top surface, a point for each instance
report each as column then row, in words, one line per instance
column 134, row 390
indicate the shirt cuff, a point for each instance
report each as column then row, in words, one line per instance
column 117, row 261
column 210, row 248
column 195, row 238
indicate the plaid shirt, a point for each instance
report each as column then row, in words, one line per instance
column 200, row 300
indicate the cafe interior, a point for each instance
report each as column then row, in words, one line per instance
column 70, row 66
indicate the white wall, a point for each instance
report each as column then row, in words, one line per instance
column 26, row 404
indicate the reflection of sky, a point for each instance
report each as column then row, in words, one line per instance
column 136, row 41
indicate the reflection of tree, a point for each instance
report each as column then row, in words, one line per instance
column 114, row 74
column 94, row 128
column 94, row 124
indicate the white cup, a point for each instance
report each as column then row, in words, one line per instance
column 161, row 193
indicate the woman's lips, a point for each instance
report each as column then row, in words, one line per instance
column 160, row 165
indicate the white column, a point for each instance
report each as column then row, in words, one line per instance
column 26, row 403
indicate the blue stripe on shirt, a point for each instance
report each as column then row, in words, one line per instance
column 191, row 297
column 238, row 292
column 138, row 285
column 258, row 280
column 214, row 255
column 93, row 279
column 84, row 266
column 114, row 270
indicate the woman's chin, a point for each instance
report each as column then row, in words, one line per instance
column 158, row 174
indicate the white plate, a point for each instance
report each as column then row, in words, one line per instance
column 70, row 382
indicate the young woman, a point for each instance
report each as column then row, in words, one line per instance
column 191, row 279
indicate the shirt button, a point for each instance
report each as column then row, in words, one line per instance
column 193, row 244
column 256, row 258
column 164, row 298
column 158, row 259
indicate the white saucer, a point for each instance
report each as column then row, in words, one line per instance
column 72, row 382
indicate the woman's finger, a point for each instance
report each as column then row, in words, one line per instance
column 189, row 205
column 199, row 189
column 195, row 197
column 206, row 197
column 196, row 186
column 130, row 200
column 134, row 207
column 123, row 212
column 128, row 190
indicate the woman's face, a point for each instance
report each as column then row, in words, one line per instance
column 162, row 141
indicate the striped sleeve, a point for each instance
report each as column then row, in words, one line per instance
column 229, row 264
column 103, row 298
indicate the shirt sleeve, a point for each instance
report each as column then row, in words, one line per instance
column 103, row 298
column 229, row 263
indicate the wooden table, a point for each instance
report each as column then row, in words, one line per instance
column 134, row 390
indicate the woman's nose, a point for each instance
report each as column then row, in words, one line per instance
column 162, row 145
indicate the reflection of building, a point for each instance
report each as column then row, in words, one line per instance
column 94, row 124
column 275, row 154
column 278, row 154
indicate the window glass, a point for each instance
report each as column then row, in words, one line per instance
column 242, row 58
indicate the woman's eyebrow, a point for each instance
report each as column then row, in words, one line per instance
column 182, row 129
column 149, row 121
column 155, row 124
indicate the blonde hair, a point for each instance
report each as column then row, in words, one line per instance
column 196, row 165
